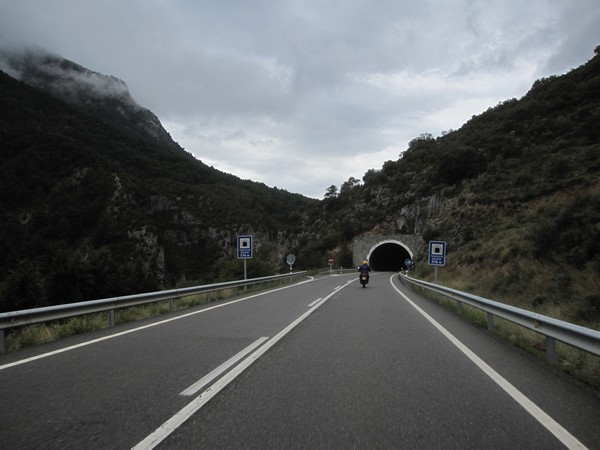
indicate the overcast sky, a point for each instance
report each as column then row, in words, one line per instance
column 303, row 94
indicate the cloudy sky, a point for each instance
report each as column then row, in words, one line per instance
column 304, row 94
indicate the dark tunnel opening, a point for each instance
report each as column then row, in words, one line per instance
column 388, row 257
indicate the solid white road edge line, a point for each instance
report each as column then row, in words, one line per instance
column 162, row 432
column 122, row 333
column 535, row 411
column 222, row 368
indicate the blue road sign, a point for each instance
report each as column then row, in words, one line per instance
column 408, row 262
column 437, row 253
column 244, row 247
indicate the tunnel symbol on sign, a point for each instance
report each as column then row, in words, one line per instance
column 244, row 247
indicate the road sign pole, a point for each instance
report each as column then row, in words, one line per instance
column 437, row 256
column 244, row 251
column 291, row 259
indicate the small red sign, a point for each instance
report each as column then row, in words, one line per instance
column 330, row 261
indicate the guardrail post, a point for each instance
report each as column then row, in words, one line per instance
column 208, row 295
column 550, row 349
column 1, row 342
column 490, row 321
column 171, row 304
column 459, row 307
column 111, row 318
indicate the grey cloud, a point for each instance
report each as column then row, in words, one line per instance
column 312, row 82
column 577, row 35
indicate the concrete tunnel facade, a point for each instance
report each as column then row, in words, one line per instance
column 385, row 254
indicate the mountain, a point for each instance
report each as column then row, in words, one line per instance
column 515, row 193
column 98, row 95
column 97, row 200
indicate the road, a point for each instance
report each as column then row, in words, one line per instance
column 321, row 364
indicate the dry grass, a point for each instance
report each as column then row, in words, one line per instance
column 46, row 332
column 562, row 293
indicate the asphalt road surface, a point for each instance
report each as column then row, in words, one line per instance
column 321, row 364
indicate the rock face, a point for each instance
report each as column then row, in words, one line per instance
column 406, row 228
column 415, row 217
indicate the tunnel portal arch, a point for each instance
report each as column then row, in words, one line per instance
column 389, row 256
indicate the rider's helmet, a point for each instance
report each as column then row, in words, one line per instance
column 365, row 261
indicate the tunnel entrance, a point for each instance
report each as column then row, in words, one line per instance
column 389, row 256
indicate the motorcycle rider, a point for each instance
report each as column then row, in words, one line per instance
column 364, row 267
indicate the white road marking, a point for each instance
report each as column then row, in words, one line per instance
column 222, row 368
column 162, row 432
column 535, row 411
column 310, row 305
column 122, row 333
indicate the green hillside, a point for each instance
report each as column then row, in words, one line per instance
column 93, row 207
column 95, row 202
column 518, row 189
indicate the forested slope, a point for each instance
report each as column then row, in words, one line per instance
column 92, row 207
column 515, row 193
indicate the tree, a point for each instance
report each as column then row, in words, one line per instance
column 331, row 192
column 348, row 185
column 25, row 288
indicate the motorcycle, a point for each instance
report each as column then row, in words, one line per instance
column 364, row 278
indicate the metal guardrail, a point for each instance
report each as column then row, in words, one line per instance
column 553, row 329
column 15, row 319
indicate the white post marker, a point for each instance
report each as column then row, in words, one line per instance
column 291, row 259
